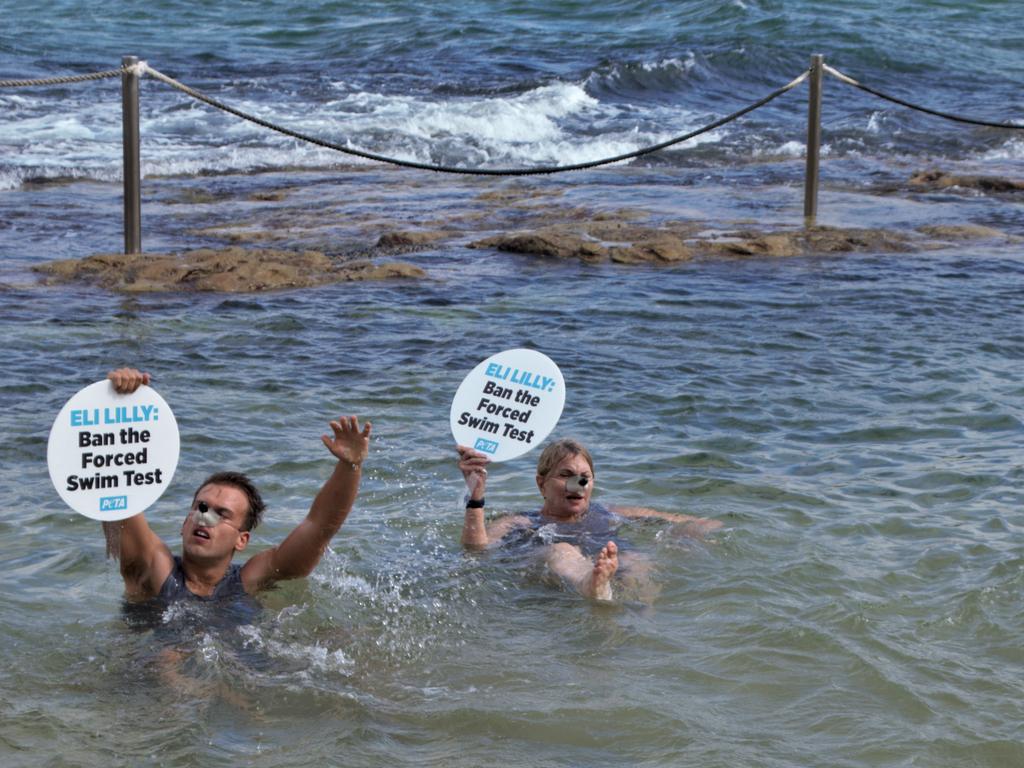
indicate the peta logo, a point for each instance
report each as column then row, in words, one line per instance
column 113, row 503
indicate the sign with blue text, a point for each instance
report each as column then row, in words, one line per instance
column 110, row 455
column 508, row 404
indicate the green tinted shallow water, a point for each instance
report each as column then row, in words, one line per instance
column 856, row 423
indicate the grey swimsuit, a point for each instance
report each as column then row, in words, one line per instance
column 229, row 606
column 590, row 533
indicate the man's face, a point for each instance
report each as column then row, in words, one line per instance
column 206, row 541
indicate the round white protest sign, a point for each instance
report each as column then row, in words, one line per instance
column 111, row 455
column 508, row 404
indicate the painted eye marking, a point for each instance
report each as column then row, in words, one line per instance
column 576, row 483
column 206, row 517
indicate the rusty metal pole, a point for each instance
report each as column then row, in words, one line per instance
column 130, row 144
column 813, row 139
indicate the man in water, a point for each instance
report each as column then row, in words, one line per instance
column 224, row 511
column 577, row 535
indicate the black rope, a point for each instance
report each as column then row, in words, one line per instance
column 474, row 171
column 947, row 115
column 62, row 80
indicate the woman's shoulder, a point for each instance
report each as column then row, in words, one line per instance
column 604, row 510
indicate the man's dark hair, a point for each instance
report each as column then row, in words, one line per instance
column 237, row 480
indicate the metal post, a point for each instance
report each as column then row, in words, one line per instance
column 813, row 138
column 130, row 144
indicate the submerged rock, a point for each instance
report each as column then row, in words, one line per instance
column 550, row 242
column 662, row 249
column 808, row 242
column 936, row 180
column 247, row 262
column 192, row 196
column 634, row 244
column 604, row 241
column 271, row 195
column 410, row 239
column 965, row 232
column 226, row 270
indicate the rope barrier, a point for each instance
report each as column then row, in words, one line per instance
column 947, row 115
column 540, row 170
column 63, row 80
column 132, row 70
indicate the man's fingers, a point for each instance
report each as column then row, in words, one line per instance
column 127, row 380
column 346, row 424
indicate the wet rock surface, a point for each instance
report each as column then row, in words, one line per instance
column 934, row 180
column 410, row 240
column 961, row 232
column 618, row 240
column 227, row 270
column 298, row 236
column 657, row 245
column 808, row 242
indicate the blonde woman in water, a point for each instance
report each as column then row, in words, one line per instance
column 577, row 537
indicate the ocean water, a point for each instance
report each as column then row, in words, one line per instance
column 856, row 420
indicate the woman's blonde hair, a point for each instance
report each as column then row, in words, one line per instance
column 558, row 450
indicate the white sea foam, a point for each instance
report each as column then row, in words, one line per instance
column 313, row 655
column 792, row 149
column 786, row 149
column 318, row 657
column 1012, row 149
column 683, row 65
column 673, row 66
column 344, row 582
column 208, row 649
column 530, row 117
column 558, row 123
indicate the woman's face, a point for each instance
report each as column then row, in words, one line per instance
column 562, row 501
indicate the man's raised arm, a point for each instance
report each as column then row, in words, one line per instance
column 299, row 553
column 144, row 558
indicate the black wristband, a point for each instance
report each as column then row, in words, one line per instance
column 474, row 503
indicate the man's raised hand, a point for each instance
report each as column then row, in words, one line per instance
column 349, row 443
